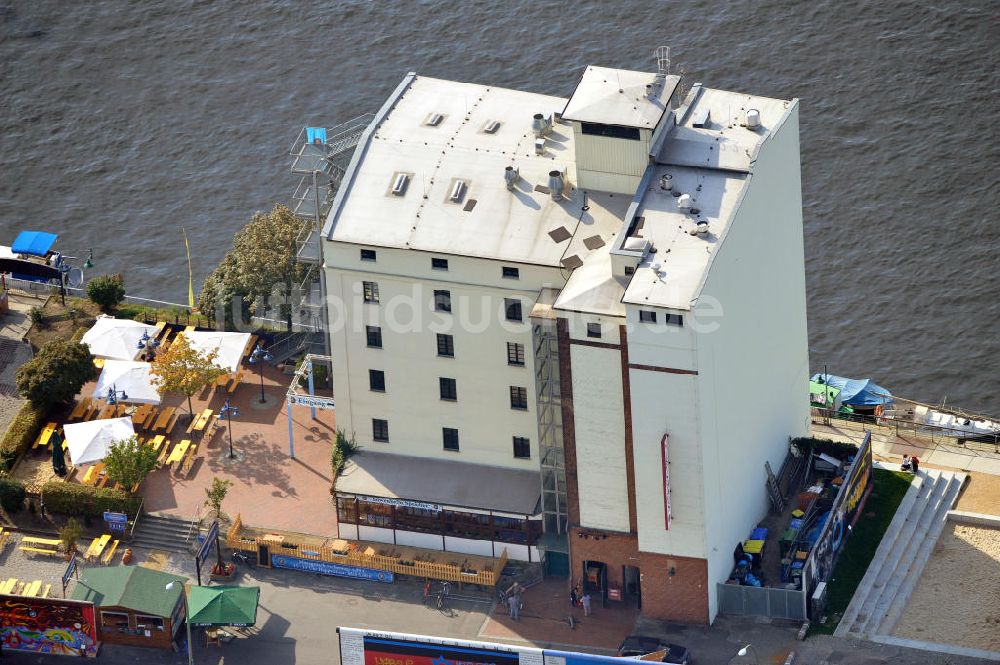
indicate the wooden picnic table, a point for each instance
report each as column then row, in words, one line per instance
column 53, row 542
column 45, row 435
column 201, row 422
column 141, row 414
column 177, row 454
column 82, row 407
column 93, row 474
column 32, row 589
column 96, row 548
column 8, row 585
column 164, row 419
column 156, row 441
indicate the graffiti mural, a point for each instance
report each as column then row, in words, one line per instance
column 48, row 625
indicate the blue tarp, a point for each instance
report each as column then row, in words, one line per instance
column 33, row 243
column 856, row 392
column 314, row 134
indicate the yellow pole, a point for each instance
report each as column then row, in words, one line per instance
column 187, row 247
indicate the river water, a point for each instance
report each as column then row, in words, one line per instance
column 121, row 122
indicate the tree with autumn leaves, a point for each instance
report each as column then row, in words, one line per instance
column 183, row 369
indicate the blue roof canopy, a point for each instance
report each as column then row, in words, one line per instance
column 856, row 392
column 33, row 243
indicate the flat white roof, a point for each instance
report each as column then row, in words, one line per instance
column 620, row 97
column 506, row 225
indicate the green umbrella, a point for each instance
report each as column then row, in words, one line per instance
column 58, row 460
column 223, row 605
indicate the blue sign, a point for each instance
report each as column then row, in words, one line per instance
column 70, row 569
column 213, row 535
column 328, row 568
column 116, row 521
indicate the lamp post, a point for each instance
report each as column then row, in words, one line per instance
column 148, row 345
column 749, row 649
column 259, row 357
column 187, row 621
column 228, row 411
column 115, row 395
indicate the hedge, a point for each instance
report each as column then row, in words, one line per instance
column 75, row 499
column 21, row 433
column 11, row 494
column 838, row 449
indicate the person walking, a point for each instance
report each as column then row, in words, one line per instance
column 574, row 596
column 586, row 603
column 514, row 605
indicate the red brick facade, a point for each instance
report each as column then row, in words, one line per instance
column 681, row 597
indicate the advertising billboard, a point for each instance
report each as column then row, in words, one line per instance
column 48, row 625
column 368, row 647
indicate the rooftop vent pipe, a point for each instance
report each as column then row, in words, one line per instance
column 684, row 202
column 667, row 182
column 753, row 119
column 540, row 125
column 556, row 185
column 701, row 228
column 511, row 176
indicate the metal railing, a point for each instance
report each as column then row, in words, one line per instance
column 901, row 426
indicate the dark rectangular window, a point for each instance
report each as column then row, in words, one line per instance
column 380, row 429
column 518, row 397
column 449, row 389
column 629, row 270
column 368, row 255
column 370, row 290
column 522, row 447
column 515, row 354
column 446, row 345
column 611, row 131
column 593, row 330
column 439, row 264
column 374, row 335
column 646, row 316
column 442, row 300
column 512, row 307
column 511, row 273
column 450, row 436
column 673, row 319
column 376, row 380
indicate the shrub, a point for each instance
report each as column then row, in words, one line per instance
column 37, row 317
column 70, row 534
column 75, row 499
column 838, row 449
column 343, row 449
column 107, row 291
column 21, row 433
column 216, row 494
column 56, row 374
column 11, row 494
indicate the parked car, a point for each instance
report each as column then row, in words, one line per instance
column 636, row 646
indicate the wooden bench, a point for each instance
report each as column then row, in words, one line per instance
column 160, row 326
column 45, row 435
column 97, row 547
column 249, row 348
column 82, row 407
column 32, row 589
column 40, row 550
column 189, row 459
column 179, row 451
column 164, row 418
column 4, row 537
column 110, row 553
column 8, row 585
column 52, row 542
column 45, row 592
column 236, row 379
column 93, row 474
column 162, row 459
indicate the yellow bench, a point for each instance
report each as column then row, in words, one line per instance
column 8, row 585
column 188, row 461
column 45, row 592
column 45, row 435
column 39, row 550
column 81, row 408
column 179, row 451
column 32, row 589
column 237, row 378
column 110, row 554
column 54, row 542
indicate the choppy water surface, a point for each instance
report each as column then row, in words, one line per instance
column 122, row 122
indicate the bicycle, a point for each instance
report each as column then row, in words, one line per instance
column 242, row 557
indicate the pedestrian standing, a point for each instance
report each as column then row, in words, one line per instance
column 427, row 592
column 41, row 508
column 514, row 605
column 574, row 596
column 915, row 464
column 586, row 604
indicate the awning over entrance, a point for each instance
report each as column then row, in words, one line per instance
column 223, row 605
column 441, row 482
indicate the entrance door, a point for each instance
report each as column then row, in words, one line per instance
column 633, row 587
column 556, row 564
column 595, row 580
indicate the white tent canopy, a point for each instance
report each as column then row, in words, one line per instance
column 129, row 376
column 116, row 338
column 230, row 346
column 89, row 442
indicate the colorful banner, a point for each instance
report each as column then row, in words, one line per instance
column 366, row 647
column 328, row 568
column 48, row 625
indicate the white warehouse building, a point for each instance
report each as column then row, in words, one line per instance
column 571, row 329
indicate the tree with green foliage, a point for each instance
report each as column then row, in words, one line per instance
column 216, row 494
column 183, row 369
column 56, row 374
column 343, row 449
column 70, row 534
column 12, row 494
column 129, row 461
column 107, row 291
column 262, row 263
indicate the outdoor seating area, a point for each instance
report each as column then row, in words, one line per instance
column 398, row 559
column 33, row 589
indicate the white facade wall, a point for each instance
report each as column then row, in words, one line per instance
column 753, row 370
column 598, row 409
column 411, row 403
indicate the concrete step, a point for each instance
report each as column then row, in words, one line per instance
column 909, row 581
column 893, row 545
column 903, row 564
column 165, row 533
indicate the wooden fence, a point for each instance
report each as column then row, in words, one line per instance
column 413, row 561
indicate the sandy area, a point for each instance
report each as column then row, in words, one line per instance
column 955, row 602
column 981, row 494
